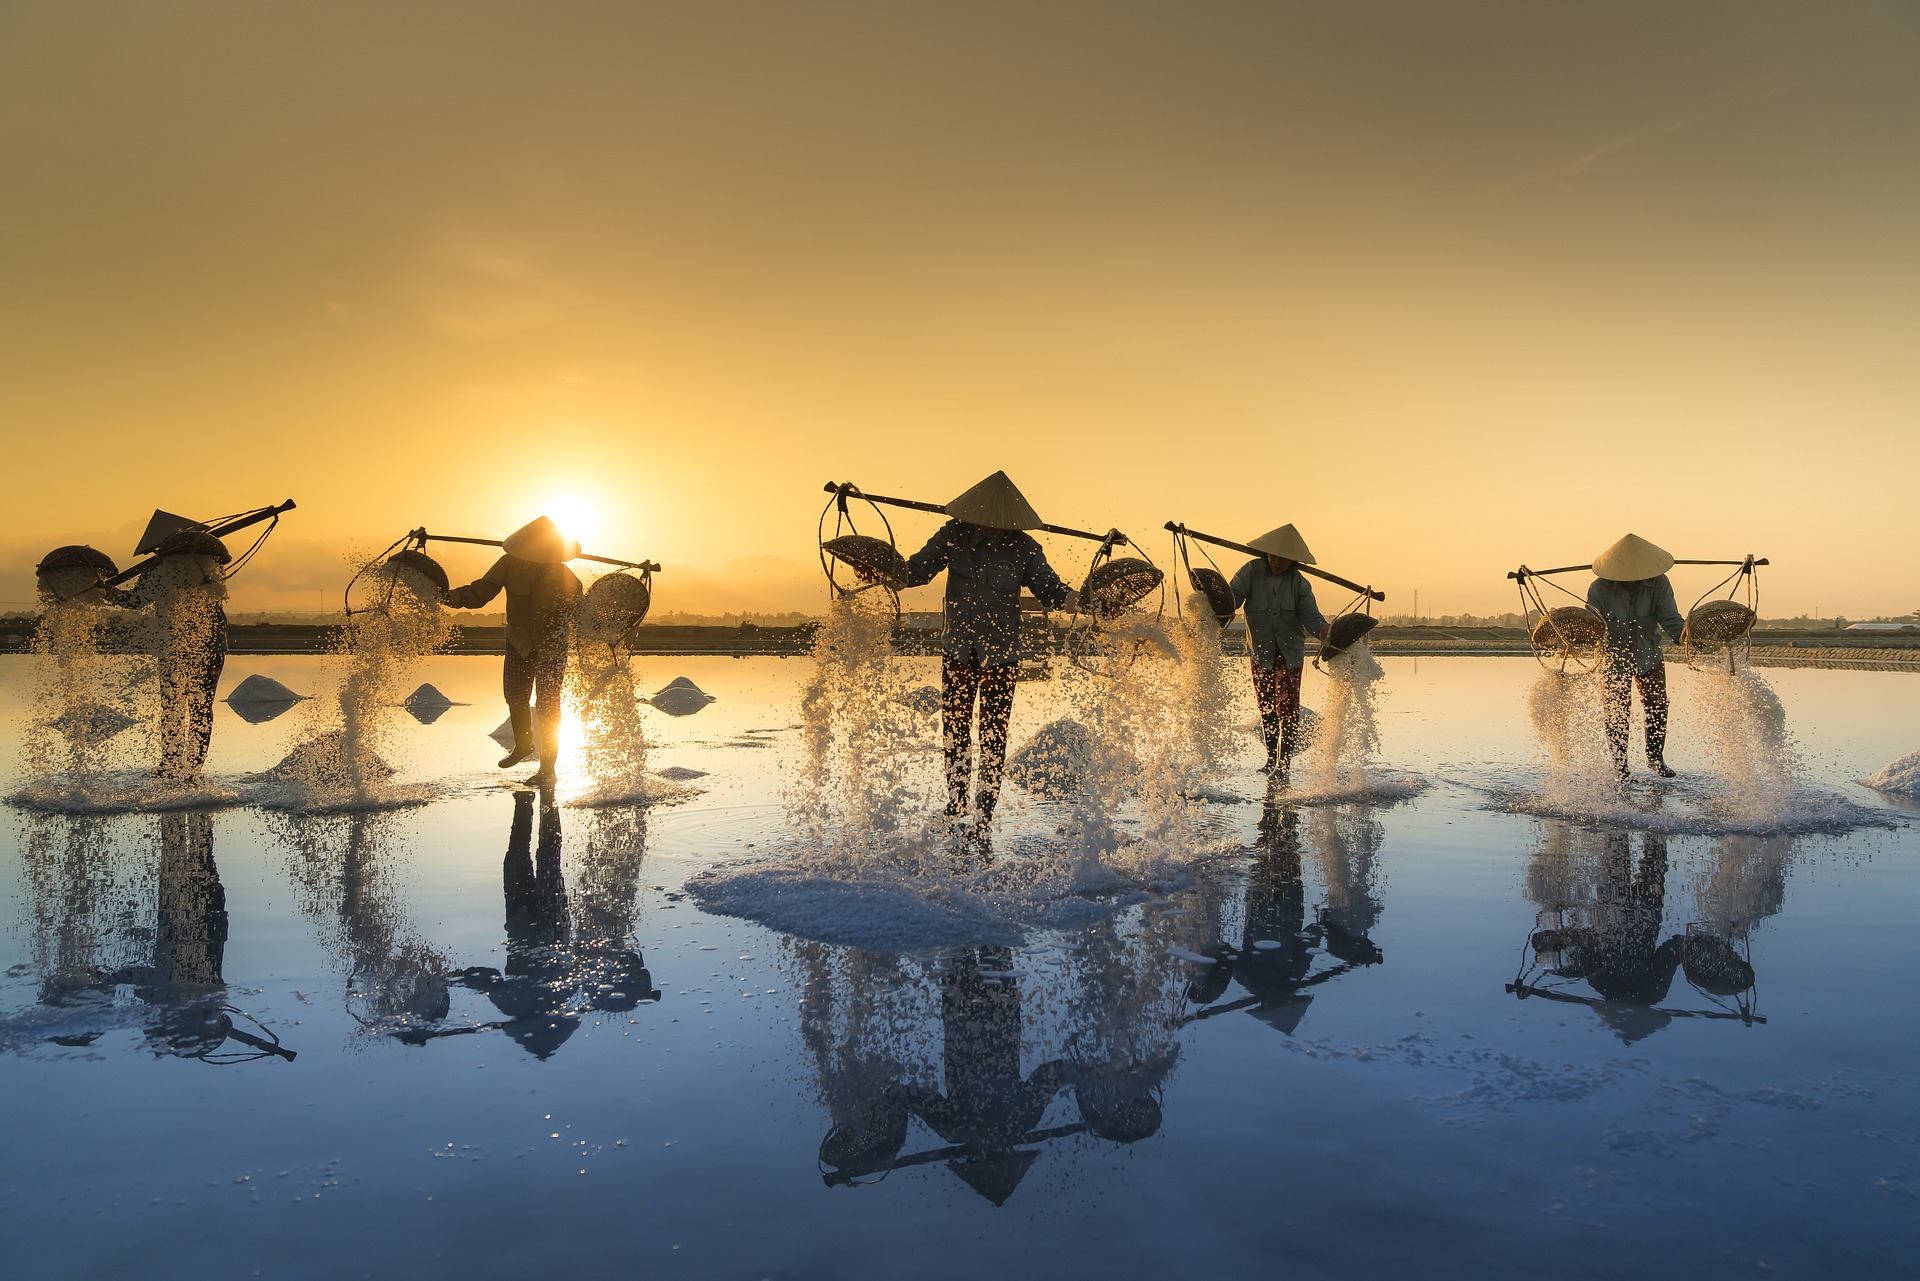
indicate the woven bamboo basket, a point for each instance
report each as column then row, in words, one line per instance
column 1569, row 629
column 880, row 560
column 1116, row 584
column 1717, row 624
column 1346, row 632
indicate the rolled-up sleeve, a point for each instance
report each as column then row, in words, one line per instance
column 924, row 565
column 476, row 594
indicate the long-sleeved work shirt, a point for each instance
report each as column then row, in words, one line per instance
column 1635, row 615
column 540, row 600
column 1281, row 613
column 986, row 568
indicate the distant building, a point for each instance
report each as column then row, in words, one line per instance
column 1883, row 627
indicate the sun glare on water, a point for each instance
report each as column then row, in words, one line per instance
column 576, row 515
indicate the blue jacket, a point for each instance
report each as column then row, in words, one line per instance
column 1636, row 614
column 1281, row 614
column 986, row 568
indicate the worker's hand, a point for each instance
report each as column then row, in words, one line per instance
column 1324, row 629
column 1073, row 602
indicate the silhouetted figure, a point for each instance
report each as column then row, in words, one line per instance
column 541, row 594
column 1631, row 594
column 988, row 559
column 185, row 585
column 1281, row 613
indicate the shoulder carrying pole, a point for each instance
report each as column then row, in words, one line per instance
column 422, row 536
column 1175, row 527
column 220, row 530
column 848, row 489
column 1523, row 573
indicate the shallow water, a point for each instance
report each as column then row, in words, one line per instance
column 1301, row 1050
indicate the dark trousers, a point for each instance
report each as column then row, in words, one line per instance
column 1277, row 690
column 188, row 679
column 961, row 684
column 1617, row 682
column 545, row 674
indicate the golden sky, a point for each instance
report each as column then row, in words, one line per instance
column 1449, row 286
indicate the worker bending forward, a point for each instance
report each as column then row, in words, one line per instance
column 988, row 559
column 1281, row 614
column 1631, row 594
column 541, row 595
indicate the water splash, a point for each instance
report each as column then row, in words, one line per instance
column 341, row 762
column 1565, row 710
column 85, row 700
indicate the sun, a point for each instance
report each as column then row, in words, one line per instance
column 576, row 515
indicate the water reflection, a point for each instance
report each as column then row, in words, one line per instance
column 114, row 946
column 945, row 1041
column 1602, row 922
column 1277, row 958
column 565, row 959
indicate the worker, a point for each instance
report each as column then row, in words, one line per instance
column 185, row 584
column 541, row 595
column 1281, row 614
column 988, row 558
column 1631, row 594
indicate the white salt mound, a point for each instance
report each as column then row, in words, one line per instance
column 262, row 689
column 327, row 761
column 680, row 697
column 1902, row 778
column 427, row 699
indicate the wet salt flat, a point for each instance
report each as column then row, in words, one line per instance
column 1459, row 1022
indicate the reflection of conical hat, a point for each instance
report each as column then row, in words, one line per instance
column 1632, row 559
column 1284, row 542
column 541, row 540
column 996, row 504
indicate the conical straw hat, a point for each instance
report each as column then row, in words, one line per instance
column 1632, row 559
column 996, row 504
column 1284, row 542
column 540, row 540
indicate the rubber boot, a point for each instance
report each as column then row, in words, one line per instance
column 549, row 752
column 1659, row 766
column 523, row 740
column 1273, row 752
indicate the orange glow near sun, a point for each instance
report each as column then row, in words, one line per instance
column 576, row 515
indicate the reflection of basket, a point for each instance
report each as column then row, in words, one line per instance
column 1346, row 631
column 1115, row 584
column 1712, row 964
column 613, row 607
column 1569, row 629
column 876, row 556
column 1717, row 623
column 422, row 564
column 1212, row 584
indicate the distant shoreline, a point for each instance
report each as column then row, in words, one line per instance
column 1894, row 651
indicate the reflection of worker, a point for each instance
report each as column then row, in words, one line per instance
column 547, row 969
column 988, row 560
column 541, row 592
column 186, row 586
column 1620, row 953
column 988, row 1106
column 1631, row 594
column 1281, row 613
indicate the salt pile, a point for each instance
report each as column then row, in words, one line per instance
column 1901, row 778
column 1055, row 762
column 680, row 697
column 427, row 704
column 259, row 699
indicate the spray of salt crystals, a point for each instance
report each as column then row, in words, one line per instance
column 1203, row 689
column 1742, row 732
column 1565, row 711
column 1349, row 734
column 859, row 779
column 1138, row 754
column 398, row 621
column 84, row 700
column 601, row 693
